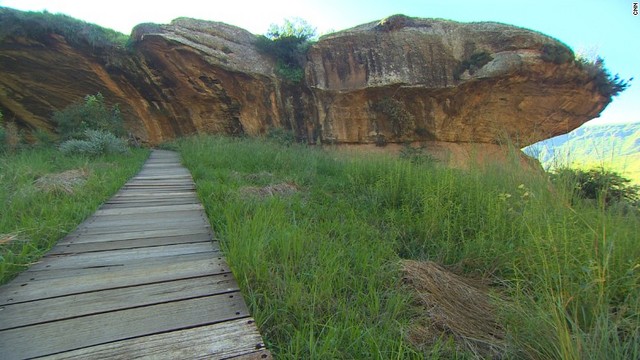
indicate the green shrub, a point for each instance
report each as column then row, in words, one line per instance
column 288, row 44
column 281, row 136
column 401, row 119
column 42, row 138
column 293, row 74
column 92, row 114
column 3, row 135
column 556, row 54
column 597, row 184
column 380, row 140
column 12, row 137
column 417, row 155
column 475, row 62
column 96, row 142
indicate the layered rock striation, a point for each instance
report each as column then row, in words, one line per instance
column 397, row 80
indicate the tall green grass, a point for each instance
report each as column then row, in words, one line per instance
column 320, row 269
column 35, row 218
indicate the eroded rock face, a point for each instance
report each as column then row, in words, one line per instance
column 179, row 79
column 401, row 79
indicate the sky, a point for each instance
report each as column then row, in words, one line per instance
column 606, row 28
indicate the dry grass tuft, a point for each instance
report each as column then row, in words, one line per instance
column 64, row 182
column 453, row 306
column 262, row 175
column 8, row 238
column 282, row 189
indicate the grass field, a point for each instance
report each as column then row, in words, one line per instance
column 39, row 208
column 316, row 239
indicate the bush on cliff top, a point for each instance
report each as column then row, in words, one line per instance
column 606, row 84
column 40, row 25
column 288, row 43
column 556, row 54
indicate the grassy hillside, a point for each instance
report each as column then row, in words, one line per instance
column 40, row 25
column 320, row 241
column 614, row 147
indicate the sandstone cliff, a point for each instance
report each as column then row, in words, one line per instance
column 401, row 79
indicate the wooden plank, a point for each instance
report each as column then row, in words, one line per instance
column 35, row 285
column 144, row 224
column 118, row 257
column 151, row 177
column 133, row 224
column 167, row 176
column 164, row 168
column 169, row 199
column 65, row 335
column 217, row 341
column 156, row 226
column 167, row 190
column 173, row 190
column 47, row 310
column 149, row 209
column 34, row 276
column 254, row 355
column 167, row 179
column 185, row 178
column 144, row 200
column 148, row 203
column 176, row 191
column 159, row 171
column 115, row 228
column 154, row 193
column 138, row 202
column 160, row 186
column 164, row 165
column 75, row 238
column 134, row 183
column 146, row 216
column 132, row 244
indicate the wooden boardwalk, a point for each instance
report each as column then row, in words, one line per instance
column 141, row 278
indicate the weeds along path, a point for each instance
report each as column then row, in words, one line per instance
column 142, row 276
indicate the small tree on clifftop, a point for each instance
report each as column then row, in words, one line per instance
column 288, row 43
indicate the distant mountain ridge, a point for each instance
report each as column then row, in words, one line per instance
column 616, row 147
